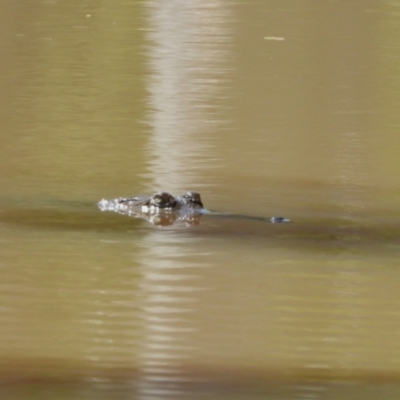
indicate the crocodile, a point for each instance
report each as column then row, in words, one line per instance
column 164, row 209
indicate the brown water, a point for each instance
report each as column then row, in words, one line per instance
column 266, row 108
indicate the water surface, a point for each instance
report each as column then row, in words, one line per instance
column 265, row 108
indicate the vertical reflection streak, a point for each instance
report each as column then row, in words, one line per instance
column 188, row 51
column 167, row 303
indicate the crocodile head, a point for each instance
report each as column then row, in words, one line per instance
column 160, row 209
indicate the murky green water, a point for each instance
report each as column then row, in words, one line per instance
column 266, row 108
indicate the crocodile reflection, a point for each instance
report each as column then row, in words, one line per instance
column 164, row 209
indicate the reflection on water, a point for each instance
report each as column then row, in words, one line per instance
column 167, row 303
column 186, row 70
column 189, row 53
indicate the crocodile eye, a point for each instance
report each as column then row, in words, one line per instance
column 195, row 199
column 158, row 199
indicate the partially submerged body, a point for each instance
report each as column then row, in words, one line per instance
column 164, row 209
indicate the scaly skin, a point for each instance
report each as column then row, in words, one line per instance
column 164, row 209
column 158, row 200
